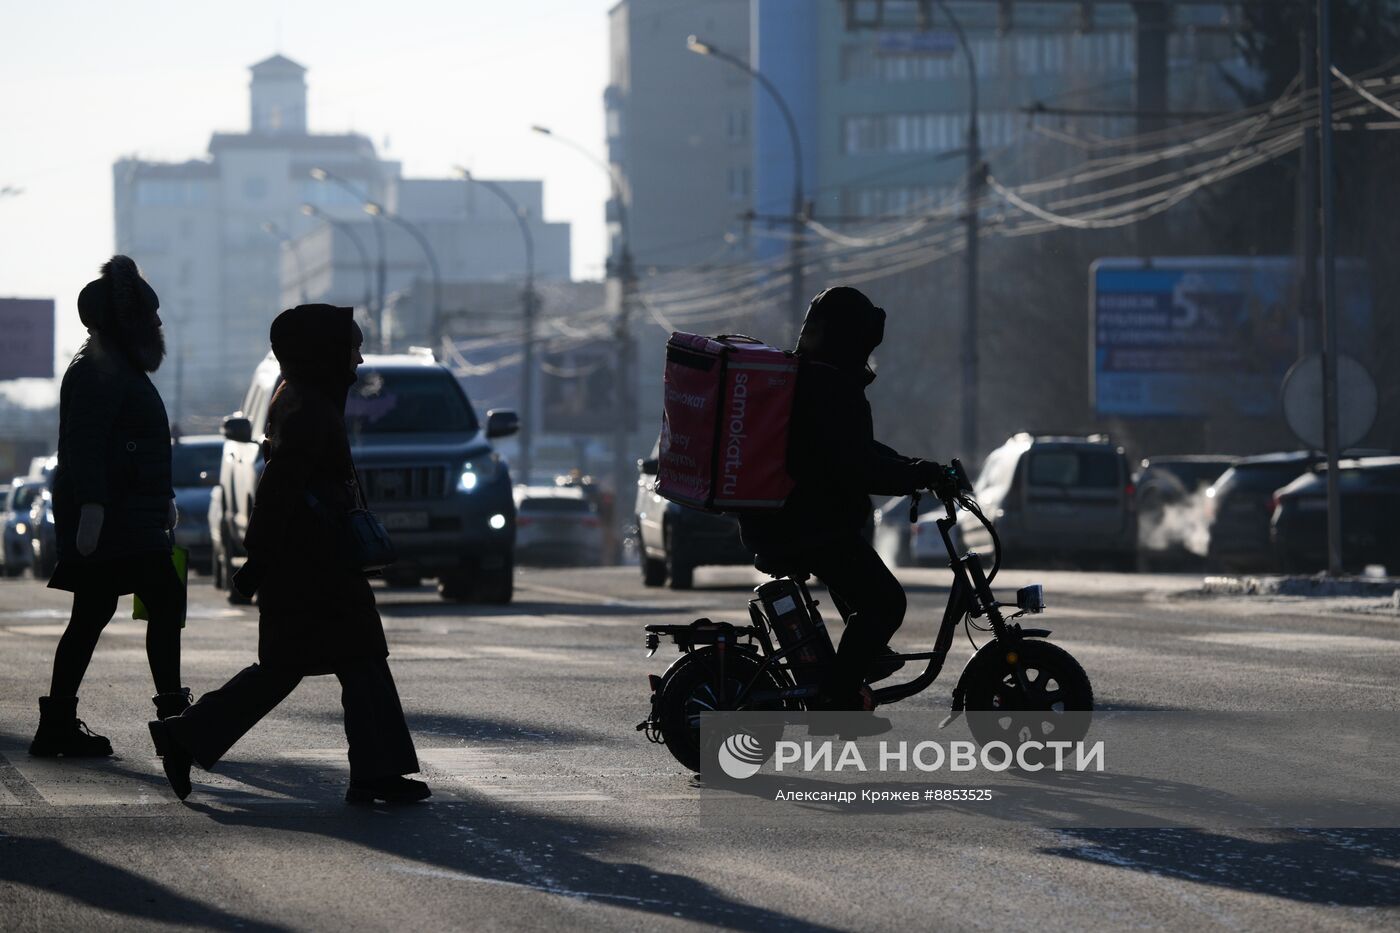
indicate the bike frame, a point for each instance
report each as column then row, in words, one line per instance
column 971, row 592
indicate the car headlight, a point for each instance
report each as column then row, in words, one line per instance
column 478, row 470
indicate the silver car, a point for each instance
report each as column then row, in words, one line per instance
column 557, row 525
column 17, row 553
column 1062, row 499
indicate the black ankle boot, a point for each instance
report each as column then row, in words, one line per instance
column 61, row 732
column 397, row 789
column 168, row 705
column 176, row 760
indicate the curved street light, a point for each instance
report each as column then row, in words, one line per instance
column 277, row 233
column 381, row 268
column 527, row 363
column 620, row 267
column 311, row 210
column 798, row 295
column 377, row 210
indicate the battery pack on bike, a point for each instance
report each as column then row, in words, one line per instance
column 800, row 632
column 724, row 428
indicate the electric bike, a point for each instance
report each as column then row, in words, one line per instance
column 776, row 662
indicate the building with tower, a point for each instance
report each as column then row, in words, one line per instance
column 214, row 235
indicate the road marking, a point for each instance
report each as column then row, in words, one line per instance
column 583, row 596
column 1301, row 641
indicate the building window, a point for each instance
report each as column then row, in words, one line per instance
column 167, row 192
column 892, row 200
column 737, row 125
column 738, row 182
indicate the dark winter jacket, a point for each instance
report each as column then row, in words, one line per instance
column 833, row 456
column 113, row 434
column 314, row 612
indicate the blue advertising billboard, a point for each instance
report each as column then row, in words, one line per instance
column 1205, row 335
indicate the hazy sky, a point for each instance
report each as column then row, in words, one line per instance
column 443, row 81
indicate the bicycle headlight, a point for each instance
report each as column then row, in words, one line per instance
column 478, row 470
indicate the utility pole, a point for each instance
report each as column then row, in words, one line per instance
column 1151, row 27
column 623, row 468
column 1307, row 197
column 976, row 180
column 1329, row 285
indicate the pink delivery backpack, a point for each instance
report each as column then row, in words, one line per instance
column 724, row 428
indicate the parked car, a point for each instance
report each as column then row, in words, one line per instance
column 194, row 472
column 426, row 465
column 1171, row 515
column 673, row 540
column 891, row 531
column 1239, row 506
column 1053, row 498
column 43, row 541
column 16, row 552
column 1370, row 499
column 557, row 525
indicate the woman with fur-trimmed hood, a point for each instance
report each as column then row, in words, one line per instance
column 113, row 504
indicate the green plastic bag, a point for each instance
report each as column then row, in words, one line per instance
column 180, row 557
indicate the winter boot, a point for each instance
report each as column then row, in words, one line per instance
column 168, row 705
column 61, row 732
column 175, row 758
column 397, row 789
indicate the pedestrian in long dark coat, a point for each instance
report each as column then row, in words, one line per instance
column 316, row 613
column 113, row 504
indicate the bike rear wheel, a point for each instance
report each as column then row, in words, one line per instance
column 692, row 689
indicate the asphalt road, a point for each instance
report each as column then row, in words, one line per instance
column 550, row 811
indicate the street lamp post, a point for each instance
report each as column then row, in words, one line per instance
column 377, row 210
column 798, row 296
column 976, row 178
column 528, row 309
column 277, row 233
column 311, row 210
column 619, row 269
column 381, row 267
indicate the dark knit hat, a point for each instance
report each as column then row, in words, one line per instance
column 118, row 297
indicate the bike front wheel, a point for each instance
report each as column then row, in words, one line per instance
column 1034, row 691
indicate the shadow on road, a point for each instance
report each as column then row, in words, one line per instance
column 476, row 729
column 486, row 843
column 1348, row 867
column 48, row 865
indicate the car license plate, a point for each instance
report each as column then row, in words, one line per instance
column 404, row 521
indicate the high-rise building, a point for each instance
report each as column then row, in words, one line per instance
column 679, row 128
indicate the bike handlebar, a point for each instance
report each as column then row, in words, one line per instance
column 953, row 488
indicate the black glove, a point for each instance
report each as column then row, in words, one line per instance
column 249, row 577
column 932, row 475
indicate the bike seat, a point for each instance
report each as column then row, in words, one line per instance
column 780, row 567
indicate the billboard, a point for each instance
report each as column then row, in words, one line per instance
column 1204, row 335
column 26, row 338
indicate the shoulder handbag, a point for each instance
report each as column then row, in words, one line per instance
column 367, row 544
column 364, row 544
